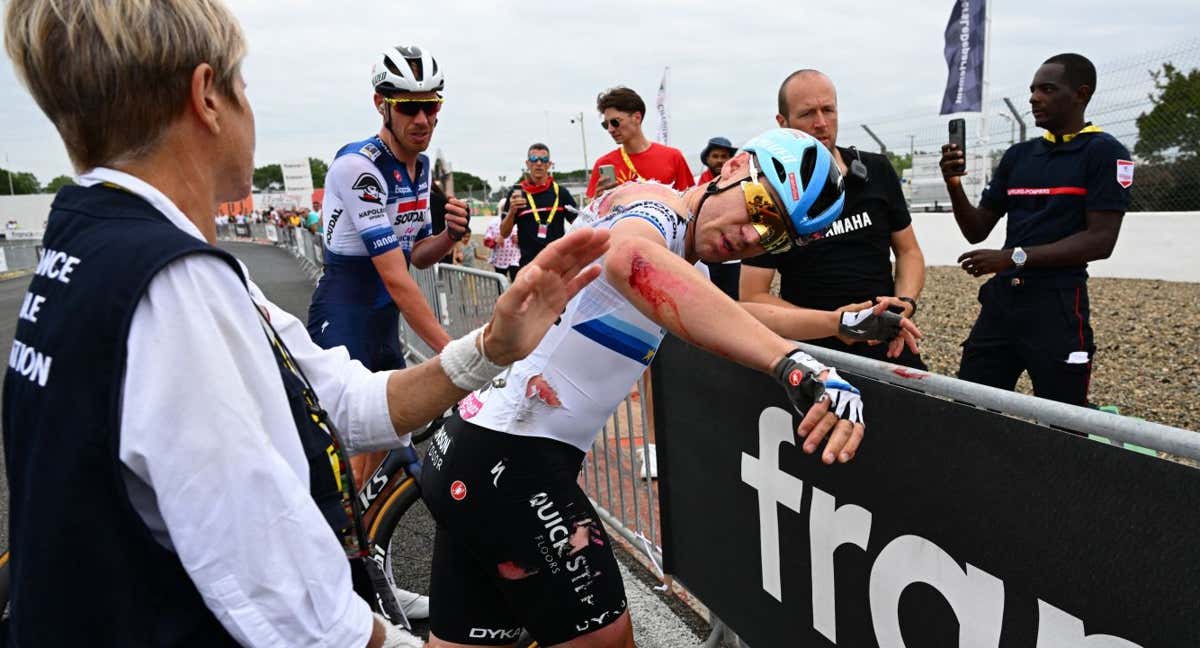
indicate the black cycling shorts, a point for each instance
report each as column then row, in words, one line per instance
column 518, row 543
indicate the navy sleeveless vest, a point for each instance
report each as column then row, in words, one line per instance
column 85, row 569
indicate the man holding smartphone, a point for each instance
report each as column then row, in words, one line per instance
column 1065, row 194
column 850, row 265
column 538, row 208
column 636, row 157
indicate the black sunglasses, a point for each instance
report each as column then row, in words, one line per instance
column 606, row 123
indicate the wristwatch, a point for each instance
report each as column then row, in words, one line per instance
column 1019, row 257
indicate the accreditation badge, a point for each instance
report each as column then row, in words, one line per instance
column 543, row 231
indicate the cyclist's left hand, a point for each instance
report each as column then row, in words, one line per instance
column 458, row 222
column 541, row 291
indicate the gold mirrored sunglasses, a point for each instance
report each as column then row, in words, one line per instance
column 765, row 216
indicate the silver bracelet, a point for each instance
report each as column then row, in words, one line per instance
column 466, row 364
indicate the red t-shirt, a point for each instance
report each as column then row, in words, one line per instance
column 662, row 163
column 705, row 177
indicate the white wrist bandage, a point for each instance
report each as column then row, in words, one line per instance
column 465, row 364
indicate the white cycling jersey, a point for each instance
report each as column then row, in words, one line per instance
column 371, row 206
column 588, row 360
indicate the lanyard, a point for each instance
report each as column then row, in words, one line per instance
column 629, row 163
column 354, row 542
column 533, row 206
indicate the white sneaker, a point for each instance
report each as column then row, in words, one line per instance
column 397, row 637
column 415, row 606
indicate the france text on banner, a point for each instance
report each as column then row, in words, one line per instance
column 964, row 57
column 662, row 108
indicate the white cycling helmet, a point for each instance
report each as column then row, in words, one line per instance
column 394, row 72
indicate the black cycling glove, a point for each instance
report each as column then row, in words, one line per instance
column 865, row 325
column 797, row 373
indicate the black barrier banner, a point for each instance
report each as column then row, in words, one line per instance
column 242, row 230
column 953, row 526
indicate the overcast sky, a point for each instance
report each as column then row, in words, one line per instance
column 518, row 72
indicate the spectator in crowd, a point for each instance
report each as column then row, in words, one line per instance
column 725, row 275
column 312, row 221
column 505, row 256
column 636, row 157
column 1065, row 194
column 538, row 207
column 850, row 266
column 713, row 157
column 233, row 528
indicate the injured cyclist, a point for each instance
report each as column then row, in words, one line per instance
column 518, row 542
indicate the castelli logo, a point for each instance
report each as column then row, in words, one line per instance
column 795, row 377
column 458, row 491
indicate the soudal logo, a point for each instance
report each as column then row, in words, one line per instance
column 390, row 239
column 368, row 189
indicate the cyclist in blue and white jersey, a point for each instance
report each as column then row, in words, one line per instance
column 376, row 222
column 518, row 543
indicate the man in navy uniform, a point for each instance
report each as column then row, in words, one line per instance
column 1064, row 194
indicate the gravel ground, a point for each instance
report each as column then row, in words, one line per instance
column 1147, row 372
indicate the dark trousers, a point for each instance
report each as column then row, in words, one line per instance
column 1035, row 325
column 726, row 276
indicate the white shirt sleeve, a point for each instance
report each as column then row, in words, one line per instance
column 214, row 462
column 354, row 397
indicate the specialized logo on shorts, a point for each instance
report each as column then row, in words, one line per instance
column 796, row 377
column 458, row 491
column 1125, row 173
column 368, row 189
column 795, row 188
column 496, row 471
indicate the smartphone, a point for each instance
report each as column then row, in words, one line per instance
column 958, row 137
column 608, row 171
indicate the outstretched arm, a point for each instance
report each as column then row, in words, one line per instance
column 669, row 291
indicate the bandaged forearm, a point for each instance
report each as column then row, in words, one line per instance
column 466, row 364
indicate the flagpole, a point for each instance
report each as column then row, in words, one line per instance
column 987, row 69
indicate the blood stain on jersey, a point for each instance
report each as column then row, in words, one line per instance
column 458, row 491
column 538, row 388
column 510, row 570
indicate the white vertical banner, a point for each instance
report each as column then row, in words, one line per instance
column 298, row 181
column 663, row 132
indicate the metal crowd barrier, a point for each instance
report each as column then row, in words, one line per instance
column 19, row 255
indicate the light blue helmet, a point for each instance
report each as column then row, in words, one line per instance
column 805, row 178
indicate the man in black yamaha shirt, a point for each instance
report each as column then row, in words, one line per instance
column 538, row 207
column 851, row 263
column 1065, row 194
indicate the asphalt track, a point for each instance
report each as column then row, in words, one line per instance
column 280, row 277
